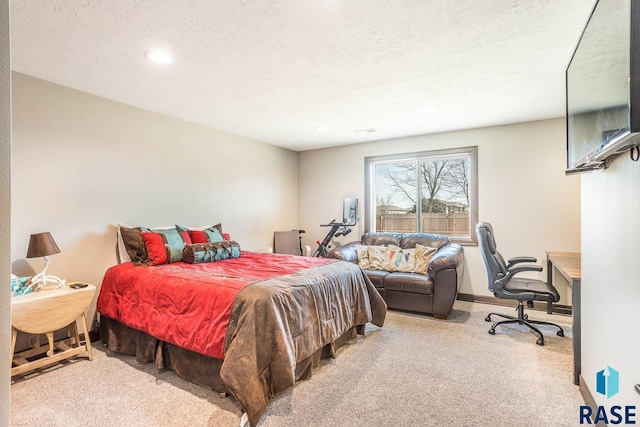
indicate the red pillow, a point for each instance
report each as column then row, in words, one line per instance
column 185, row 236
column 198, row 236
column 155, row 247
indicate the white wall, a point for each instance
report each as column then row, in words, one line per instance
column 522, row 189
column 611, row 277
column 82, row 163
column 5, row 214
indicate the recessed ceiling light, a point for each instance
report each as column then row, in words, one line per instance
column 320, row 128
column 158, row 56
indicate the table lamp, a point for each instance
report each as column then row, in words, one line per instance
column 43, row 245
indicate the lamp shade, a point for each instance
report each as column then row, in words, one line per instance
column 42, row 244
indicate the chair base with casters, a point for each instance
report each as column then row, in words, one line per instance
column 523, row 319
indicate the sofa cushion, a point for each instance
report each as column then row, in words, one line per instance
column 409, row 282
column 377, row 277
column 409, row 240
column 381, row 239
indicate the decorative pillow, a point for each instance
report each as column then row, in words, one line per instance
column 380, row 256
column 174, row 242
column 198, row 236
column 423, row 256
column 391, row 258
column 205, row 234
column 134, row 244
column 209, row 252
column 169, row 241
column 155, row 247
column 406, row 261
column 363, row 256
column 185, row 237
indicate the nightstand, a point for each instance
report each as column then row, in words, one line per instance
column 44, row 312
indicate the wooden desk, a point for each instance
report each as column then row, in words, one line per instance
column 567, row 264
column 44, row 312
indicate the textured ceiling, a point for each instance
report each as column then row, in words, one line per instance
column 274, row 70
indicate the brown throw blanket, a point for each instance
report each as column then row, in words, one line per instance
column 278, row 322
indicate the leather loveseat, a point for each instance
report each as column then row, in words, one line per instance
column 433, row 292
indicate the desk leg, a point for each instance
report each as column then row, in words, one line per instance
column 576, row 317
column 549, row 281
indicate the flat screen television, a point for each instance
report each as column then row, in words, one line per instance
column 603, row 91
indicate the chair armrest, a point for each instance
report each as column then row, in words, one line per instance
column 518, row 259
column 513, row 271
column 448, row 256
column 346, row 252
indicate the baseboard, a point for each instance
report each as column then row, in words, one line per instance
column 540, row 306
column 589, row 400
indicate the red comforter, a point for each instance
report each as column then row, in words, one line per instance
column 262, row 313
column 189, row 305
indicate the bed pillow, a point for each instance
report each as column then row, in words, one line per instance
column 134, row 244
column 212, row 233
column 423, row 256
column 212, row 251
column 363, row 256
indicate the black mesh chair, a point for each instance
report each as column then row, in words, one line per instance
column 503, row 284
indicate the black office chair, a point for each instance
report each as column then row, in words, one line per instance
column 504, row 285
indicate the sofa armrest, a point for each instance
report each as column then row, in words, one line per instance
column 449, row 256
column 345, row 252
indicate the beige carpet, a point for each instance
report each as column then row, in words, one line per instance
column 416, row 371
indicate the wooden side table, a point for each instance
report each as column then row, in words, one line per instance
column 44, row 312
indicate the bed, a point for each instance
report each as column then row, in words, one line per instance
column 250, row 326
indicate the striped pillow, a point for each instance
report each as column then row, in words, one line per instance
column 165, row 246
column 204, row 234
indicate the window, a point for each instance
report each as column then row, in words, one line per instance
column 428, row 192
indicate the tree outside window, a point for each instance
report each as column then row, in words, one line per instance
column 427, row 192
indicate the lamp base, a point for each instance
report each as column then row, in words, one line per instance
column 47, row 282
column 44, row 281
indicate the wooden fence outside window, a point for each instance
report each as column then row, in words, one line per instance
column 439, row 223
